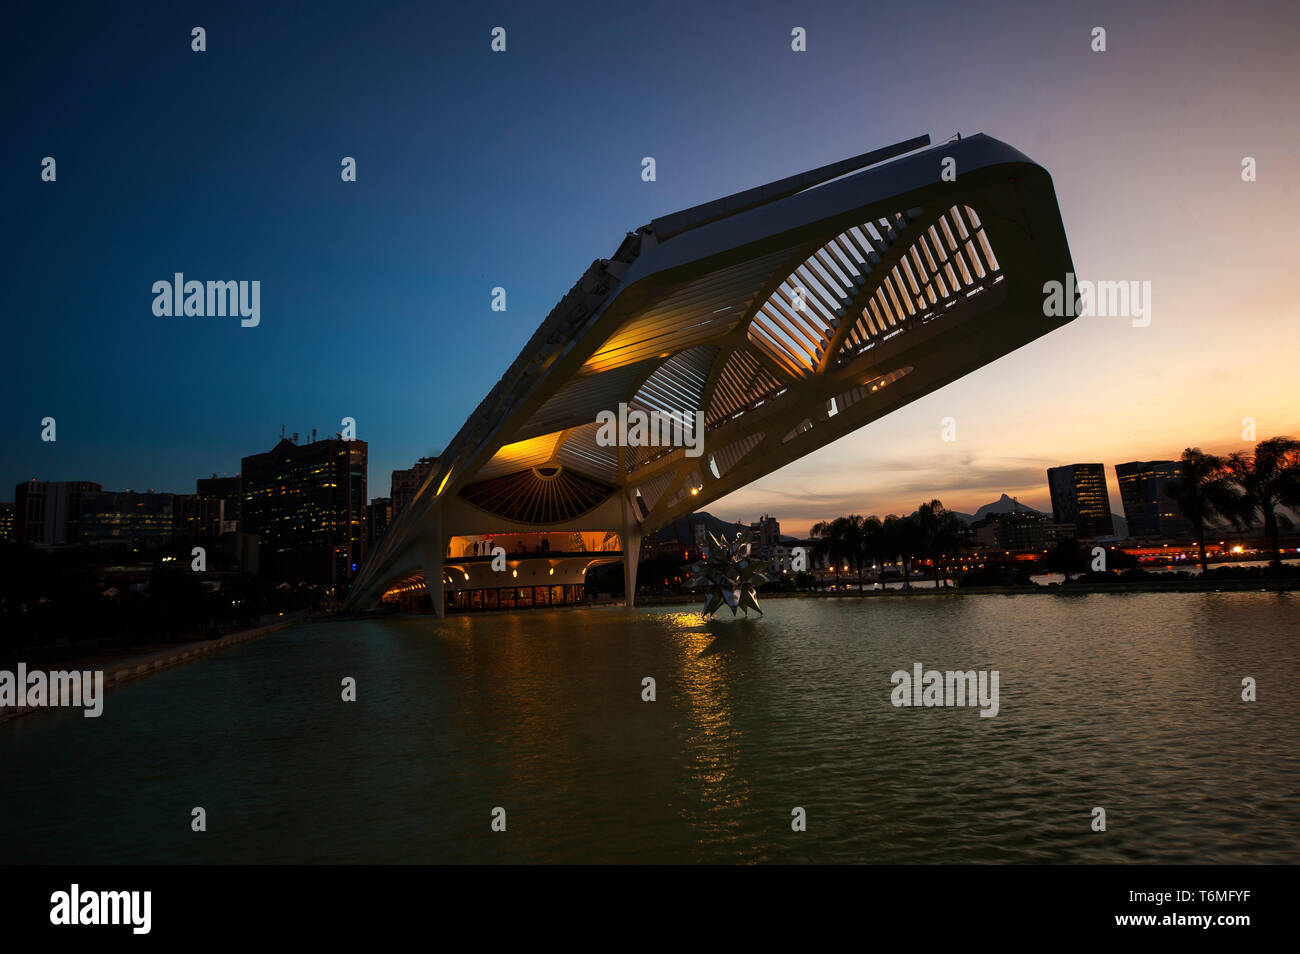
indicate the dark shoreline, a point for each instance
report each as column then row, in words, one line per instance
column 124, row 669
column 1279, row 585
column 1055, row 589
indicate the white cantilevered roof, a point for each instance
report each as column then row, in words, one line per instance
column 789, row 315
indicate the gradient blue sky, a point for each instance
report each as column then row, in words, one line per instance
column 478, row 169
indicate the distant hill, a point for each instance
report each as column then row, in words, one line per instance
column 680, row 529
column 1003, row 504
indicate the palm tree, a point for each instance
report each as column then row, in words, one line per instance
column 875, row 543
column 853, row 536
column 1269, row 479
column 939, row 531
column 904, row 536
column 842, row 538
column 1203, row 492
column 820, row 531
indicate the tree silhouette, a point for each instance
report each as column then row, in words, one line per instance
column 1203, row 492
column 843, row 540
column 939, row 533
column 1065, row 558
column 905, row 540
column 1269, row 478
column 875, row 542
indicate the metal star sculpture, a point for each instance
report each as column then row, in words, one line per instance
column 730, row 575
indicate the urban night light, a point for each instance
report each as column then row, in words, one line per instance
column 478, row 411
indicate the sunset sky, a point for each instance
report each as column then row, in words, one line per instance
column 518, row 169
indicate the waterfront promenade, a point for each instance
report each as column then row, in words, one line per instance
column 119, row 670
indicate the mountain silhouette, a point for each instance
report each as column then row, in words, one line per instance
column 1003, row 504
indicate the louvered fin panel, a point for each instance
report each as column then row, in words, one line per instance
column 742, row 381
column 676, row 389
column 728, row 457
column 684, row 490
column 797, row 322
column 950, row 262
column 512, row 457
column 695, row 312
column 572, row 405
column 802, row 427
column 678, row 384
column 846, row 400
column 654, row 488
column 582, row 453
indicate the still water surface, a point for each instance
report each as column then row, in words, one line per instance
column 1130, row 702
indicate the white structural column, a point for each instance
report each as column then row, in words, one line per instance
column 432, row 553
column 630, row 537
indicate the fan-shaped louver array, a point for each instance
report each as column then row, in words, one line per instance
column 582, row 450
column 796, row 324
column 949, row 261
column 676, row 389
column 741, row 382
column 539, row 495
column 881, row 275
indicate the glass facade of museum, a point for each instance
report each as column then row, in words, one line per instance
column 414, row 598
column 516, row 597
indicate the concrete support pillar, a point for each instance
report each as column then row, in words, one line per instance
column 432, row 551
column 630, row 536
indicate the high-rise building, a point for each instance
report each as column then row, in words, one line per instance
column 196, row 517
column 144, row 520
column 1021, row 530
column 1079, row 496
column 379, row 514
column 767, row 531
column 767, row 543
column 1148, row 510
column 307, row 505
column 48, row 512
column 227, row 490
column 6, row 521
column 406, row 483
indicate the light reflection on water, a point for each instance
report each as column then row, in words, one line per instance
column 1131, row 702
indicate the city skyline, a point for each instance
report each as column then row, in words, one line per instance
column 697, row 434
column 1034, row 496
column 373, row 292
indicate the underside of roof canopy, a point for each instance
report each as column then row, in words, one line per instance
column 776, row 320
